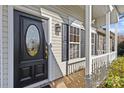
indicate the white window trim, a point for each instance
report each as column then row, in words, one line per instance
column 11, row 45
column 1, row 60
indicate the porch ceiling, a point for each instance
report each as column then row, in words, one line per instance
column 98, row 13
column 98, row 10
column 120, row 9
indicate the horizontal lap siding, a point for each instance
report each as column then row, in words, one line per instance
column 5, row 46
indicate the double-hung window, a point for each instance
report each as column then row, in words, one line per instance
column 74, row 42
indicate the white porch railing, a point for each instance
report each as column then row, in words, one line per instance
column 76, row 66
column 99, row 67
column 113, row 56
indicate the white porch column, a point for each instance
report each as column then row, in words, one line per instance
column 88, row 27
column 1, row 69
column 108, row 36
column 116, row 38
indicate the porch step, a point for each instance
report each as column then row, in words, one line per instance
column 74, row 80
column 59, row 83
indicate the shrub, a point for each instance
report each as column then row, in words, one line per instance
column 115, row 78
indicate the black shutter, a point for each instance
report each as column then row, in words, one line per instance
column 96, row 43
column 82, row 49
column 65, row 42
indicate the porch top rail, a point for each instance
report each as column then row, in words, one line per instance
column 112, row 52
column 98, row 56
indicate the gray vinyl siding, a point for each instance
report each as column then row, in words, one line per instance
column 5, row 46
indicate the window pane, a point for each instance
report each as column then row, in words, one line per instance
column 77, row 31
column 71, row 51
column 71, row 38
column 71, row 30
column 77, row 39
column 92, row 37
column 74, row 51
column 74, row 38
column 77, row 51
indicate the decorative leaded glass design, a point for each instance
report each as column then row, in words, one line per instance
column 32, row 40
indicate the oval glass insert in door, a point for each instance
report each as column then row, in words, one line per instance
column 32, row 40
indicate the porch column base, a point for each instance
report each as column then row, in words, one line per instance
column 88, row 81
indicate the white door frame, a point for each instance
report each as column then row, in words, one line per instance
column 11, row 44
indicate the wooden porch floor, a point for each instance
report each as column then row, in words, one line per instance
column 75, row 80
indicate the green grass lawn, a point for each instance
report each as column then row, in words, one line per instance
column 115, row 78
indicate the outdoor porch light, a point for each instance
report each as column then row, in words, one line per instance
column 57, row 27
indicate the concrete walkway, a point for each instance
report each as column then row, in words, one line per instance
column 75, row 80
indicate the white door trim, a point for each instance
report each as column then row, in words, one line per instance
column 1, row 60
column 10, row 48
column 11, row 45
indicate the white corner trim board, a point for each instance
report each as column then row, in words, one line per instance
column 49, row 41
column 10, row 47
column 1, row 68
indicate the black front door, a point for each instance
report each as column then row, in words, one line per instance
column 30, row 49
